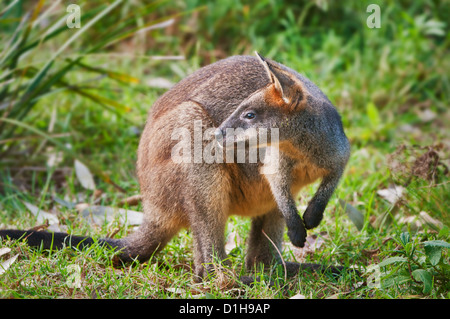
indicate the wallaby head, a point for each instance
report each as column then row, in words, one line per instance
column 268, row 107
column 306, row 120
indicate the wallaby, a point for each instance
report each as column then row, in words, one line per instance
column 238, row 92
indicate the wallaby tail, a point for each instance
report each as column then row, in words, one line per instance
column 56, row 240
column 130, row 248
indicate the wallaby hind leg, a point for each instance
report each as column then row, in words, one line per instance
column 260, row 248
column 207, row 213
column 209, row 243
column 152, row 236
column 265, row 251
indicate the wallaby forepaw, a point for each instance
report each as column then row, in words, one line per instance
column 297, row 236
column 312, row 217
column 296, row 230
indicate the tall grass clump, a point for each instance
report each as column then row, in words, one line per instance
column 42, row 52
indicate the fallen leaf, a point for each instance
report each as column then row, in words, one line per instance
column 426, row 115
column 431, row 221
column 314, row 242
column 4, row 251
column 198, row 296
column 41, row 215
column 81, row 206
column 84, row 175
column 412, row 221
column 371, row 253
column 6, row 264
column 354, row 214
column 98, row 193
column 392, row 194
column 417, row 222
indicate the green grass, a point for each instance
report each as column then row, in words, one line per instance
column 381, row 80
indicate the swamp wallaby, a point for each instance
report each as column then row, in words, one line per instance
column 191, row 176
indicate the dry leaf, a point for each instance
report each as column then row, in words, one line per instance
column 413, row 222
column 392, row 194
column 431, row 221
column 84, row 175
column 4, row 251
column 417, row 222
column 354, row 214
column 41, row 215
column 54, row 157
column 426, row 115
column 5, row 265
column 314, row 242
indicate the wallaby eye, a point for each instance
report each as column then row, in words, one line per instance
column 249, row 115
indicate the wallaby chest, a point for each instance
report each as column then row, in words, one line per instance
column 250, row 193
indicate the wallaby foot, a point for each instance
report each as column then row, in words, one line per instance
column 152, row 236
column 296, row 231
column 208, row 231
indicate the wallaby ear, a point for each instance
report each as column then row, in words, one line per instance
column 286, row 84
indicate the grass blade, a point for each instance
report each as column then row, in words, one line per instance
column 49, row 63
column 121, row 77
column 9, row 6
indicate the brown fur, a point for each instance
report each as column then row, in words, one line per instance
column 201, row 196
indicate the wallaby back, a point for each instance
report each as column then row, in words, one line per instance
column 218, row 87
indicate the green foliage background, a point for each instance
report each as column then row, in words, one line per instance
column 84, row 94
